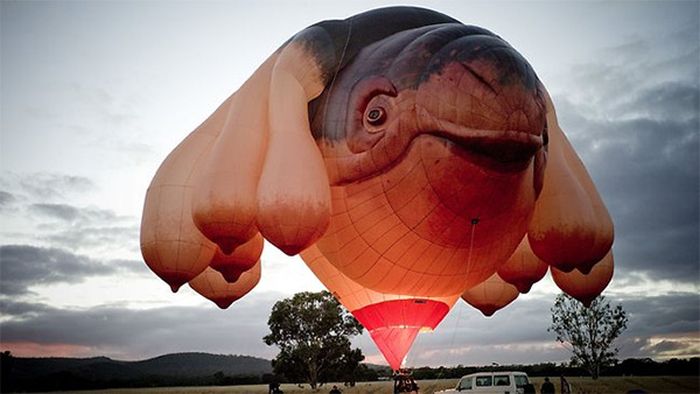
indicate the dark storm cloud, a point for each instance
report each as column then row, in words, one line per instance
column 671, row 313
column 23, row 266
column 667, row 100
column 19, row 310
column 122, row 332
column 636, row 128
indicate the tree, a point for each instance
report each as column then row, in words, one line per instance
column 312, row 331
column 350, row 367
column 589, row 331
column 7, row 362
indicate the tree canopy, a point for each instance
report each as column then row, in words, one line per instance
column 589, row 331
column 312, row 331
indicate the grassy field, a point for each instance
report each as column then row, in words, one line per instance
column 580, row 385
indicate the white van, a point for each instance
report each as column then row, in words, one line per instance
column 491, row 383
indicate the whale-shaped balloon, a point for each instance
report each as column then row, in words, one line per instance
column 408, row 151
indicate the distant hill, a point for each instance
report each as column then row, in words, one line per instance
column 200, row 364
column 54, row 373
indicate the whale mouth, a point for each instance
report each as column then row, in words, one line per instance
column 499, row 150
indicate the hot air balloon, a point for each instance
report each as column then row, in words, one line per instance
column 523, row 268
column 398, row 149
column 585, row 287
column 491, row 295
column 431, row 140
column 571, row 228
column 213, row 286
column 392, row 320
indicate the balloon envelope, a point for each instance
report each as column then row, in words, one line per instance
column 523, row 268
column 586, row 287
column 491, row 295
column 441, row 185
column 403, row 152
column 243, row 258
column 224, row 205
column 393, row 320
column 171, row 245
column 212, row 285
column 571, row 227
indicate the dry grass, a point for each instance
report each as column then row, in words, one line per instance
column 617, row 384
column 580, row 385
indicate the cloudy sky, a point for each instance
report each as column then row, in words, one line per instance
column 95, row 94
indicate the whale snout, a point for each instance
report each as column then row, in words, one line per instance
column 483, row 87
column 474, row 96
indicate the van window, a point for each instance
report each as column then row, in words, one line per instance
column 501, row 380
column 520, row 380
column 465, row 384
column 484, row 381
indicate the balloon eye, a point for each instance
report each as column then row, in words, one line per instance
column 376, row 116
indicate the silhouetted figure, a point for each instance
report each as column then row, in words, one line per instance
column 274, row 388
column 565, row 387
column 334, row 390
column 547, row 387
column 399, row 385
column 404, row 383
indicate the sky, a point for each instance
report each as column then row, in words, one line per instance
column 94, row 95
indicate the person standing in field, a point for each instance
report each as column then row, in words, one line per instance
column 547, row 387
column 565, row 387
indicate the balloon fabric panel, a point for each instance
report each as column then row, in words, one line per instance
column 491, row 295
column 571, row 227
column 243, row 258
column 523, row 268
column 586, row 287
column 213, row 286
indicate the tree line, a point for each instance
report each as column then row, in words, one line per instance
column 627, row 367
